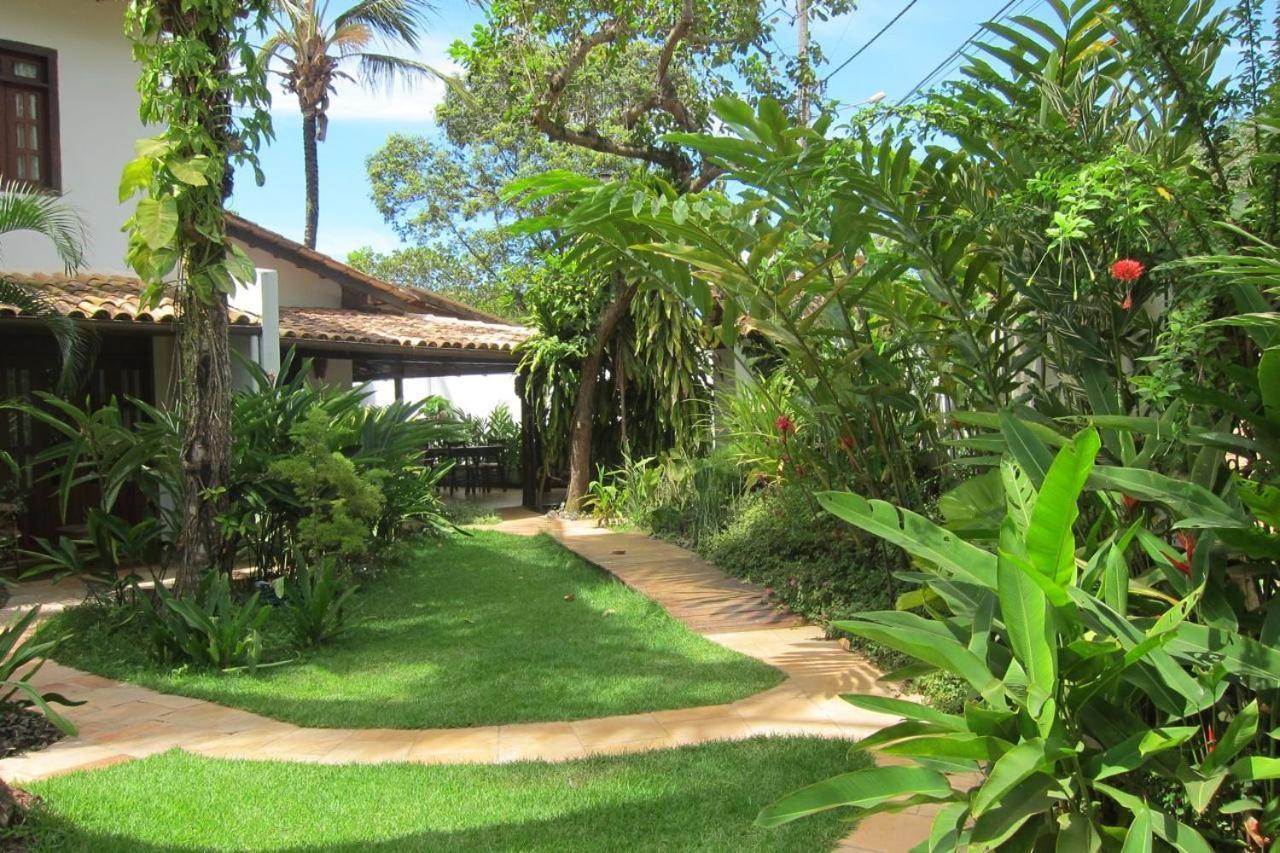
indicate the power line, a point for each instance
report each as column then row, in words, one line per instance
column 870, row 41
column 1000, row 15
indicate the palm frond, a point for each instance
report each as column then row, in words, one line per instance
column 380, row 70
column 398, row 20
column 24, row 207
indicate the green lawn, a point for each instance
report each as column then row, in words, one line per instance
column 471, row 631
column 695, row 798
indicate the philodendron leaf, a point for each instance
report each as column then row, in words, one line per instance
column 915, row 534
column 157, row 221
column 864, row 788
column 1050, row 538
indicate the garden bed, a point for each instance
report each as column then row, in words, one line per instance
column 485, row 629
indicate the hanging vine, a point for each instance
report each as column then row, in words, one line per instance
column 202, row 84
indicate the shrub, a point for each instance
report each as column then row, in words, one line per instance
column 339, row 502
column 211, row 629
column 314, row 608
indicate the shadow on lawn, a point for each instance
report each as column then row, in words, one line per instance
column 490, row 629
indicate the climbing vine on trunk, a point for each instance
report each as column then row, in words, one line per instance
column 201, row 81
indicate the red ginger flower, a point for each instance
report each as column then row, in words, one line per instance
column 1127, row 269
column 784, row 424
column 847, row 442
column 1188, row 544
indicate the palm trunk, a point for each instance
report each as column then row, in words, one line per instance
column 311, row 168
column 205, row 388
column 584, row 408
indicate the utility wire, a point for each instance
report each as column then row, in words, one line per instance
column 1000, row 15
column 870, row 41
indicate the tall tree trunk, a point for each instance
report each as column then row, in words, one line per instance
column 584, row 408
column 204, row 365
column 311, row 168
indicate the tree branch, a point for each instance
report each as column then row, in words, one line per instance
column 669, row 158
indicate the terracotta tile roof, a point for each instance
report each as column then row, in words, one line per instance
column 94, row 296
column 426, row 331
column 406, row 298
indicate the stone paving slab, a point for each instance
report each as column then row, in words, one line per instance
column 120, row 722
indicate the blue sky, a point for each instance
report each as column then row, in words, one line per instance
column 360, row 121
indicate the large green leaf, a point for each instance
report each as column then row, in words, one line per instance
column 1132, row 752
column 1239, row 655
column 1028, row 448
column 1238, row 734
column 925, row 639
column 951, row 745
column 1027, row 620
column 903, row 708
column 157, row 221
column 1019, row 804
column 1139, row 839
column 864, row 788
column 915, row 534
column 1182, row 837
column 1256, row 768
column 1194, row 506
column 1050, row 538
column 1018, row 764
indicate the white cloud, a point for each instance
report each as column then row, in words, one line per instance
column 402, row 101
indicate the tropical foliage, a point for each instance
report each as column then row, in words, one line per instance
column 1023, row 330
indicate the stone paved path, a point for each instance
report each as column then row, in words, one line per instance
column 120, row 722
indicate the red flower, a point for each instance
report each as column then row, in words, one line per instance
column 1130, row 503
column 1188, row 544
column 848, row 442
column 784, row 424
column 1210, row 738
column 1127, row 269
column 1127, row 305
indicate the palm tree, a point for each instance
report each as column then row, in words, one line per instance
column 29, row 208
column 309, row 51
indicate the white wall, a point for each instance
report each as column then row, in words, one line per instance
column 474, row 395
column 297, row 288
column 98, row 110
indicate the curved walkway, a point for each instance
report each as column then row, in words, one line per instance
column 120, row 722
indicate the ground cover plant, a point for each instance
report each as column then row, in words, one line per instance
column 473, row 630
column 693, row 798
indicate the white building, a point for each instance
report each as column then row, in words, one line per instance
column 69, row 122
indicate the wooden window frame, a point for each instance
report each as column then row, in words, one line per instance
column 50, row 58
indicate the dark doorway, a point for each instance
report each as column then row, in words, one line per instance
column 29, row 363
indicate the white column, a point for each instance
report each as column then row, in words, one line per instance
column 269, row 352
